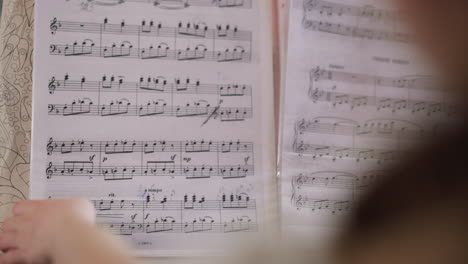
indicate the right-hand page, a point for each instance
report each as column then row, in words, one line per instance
column 357, row 98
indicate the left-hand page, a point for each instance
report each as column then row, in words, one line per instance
column 160, row 112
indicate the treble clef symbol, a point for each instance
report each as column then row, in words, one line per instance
column 300, row 180
column 52, row 85
column 50, row 146
column 299, row 202
column 301, row 126
column 49, row 171
column 316, row 74
column 315, row 94
column 53, row 26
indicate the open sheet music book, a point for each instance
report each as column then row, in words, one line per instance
column 162, row 112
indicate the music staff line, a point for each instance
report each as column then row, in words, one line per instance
column 148, row 85
column 344, row 30
column 329, row 8
column 394, row 104
column 147, row 147
column 227, row 202
column 200, row 225
column 155, row 168
column 382, row 103
column 161, row 52
column 337, row 152
column 324, row 205
column 174, row 222
column 150, row 29
column 181, row 4
column 380, row 128
column 336, row 180
column 123, row 107
column 407, row 82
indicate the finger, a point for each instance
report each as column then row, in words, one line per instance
column 13, row 257
column 9, row 225
column 8, row 241
column 85, row 209
column 25, row 207
column 17, row 223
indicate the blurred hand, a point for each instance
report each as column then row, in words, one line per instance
column 34, row 230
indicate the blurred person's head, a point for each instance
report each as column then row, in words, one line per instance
column 419, row 212
column 440, row 27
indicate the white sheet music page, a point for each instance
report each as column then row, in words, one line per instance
column 357, row 98
column 161, row 113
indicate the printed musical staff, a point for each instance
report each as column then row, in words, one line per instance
column 322, row 205
column 177, row 4
column 394, row 105
column 407, row 82
column 330, row 8
column 123, row 107
column 381, row 128
column 150, row 29
column 356, row 32
column 353, row 137
column 304, row 185
column 161, row 51
column 148, row 84
column 151, row 169
column 325, row 87
column 194, row 202
column 146, row 147
column 336, row 179
column 167, row 225
column 340, row 152
column 135, row 70
column 230, row 213
column 345, row 20
column 220, row 43
column 189, row 159
column 369, row 102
